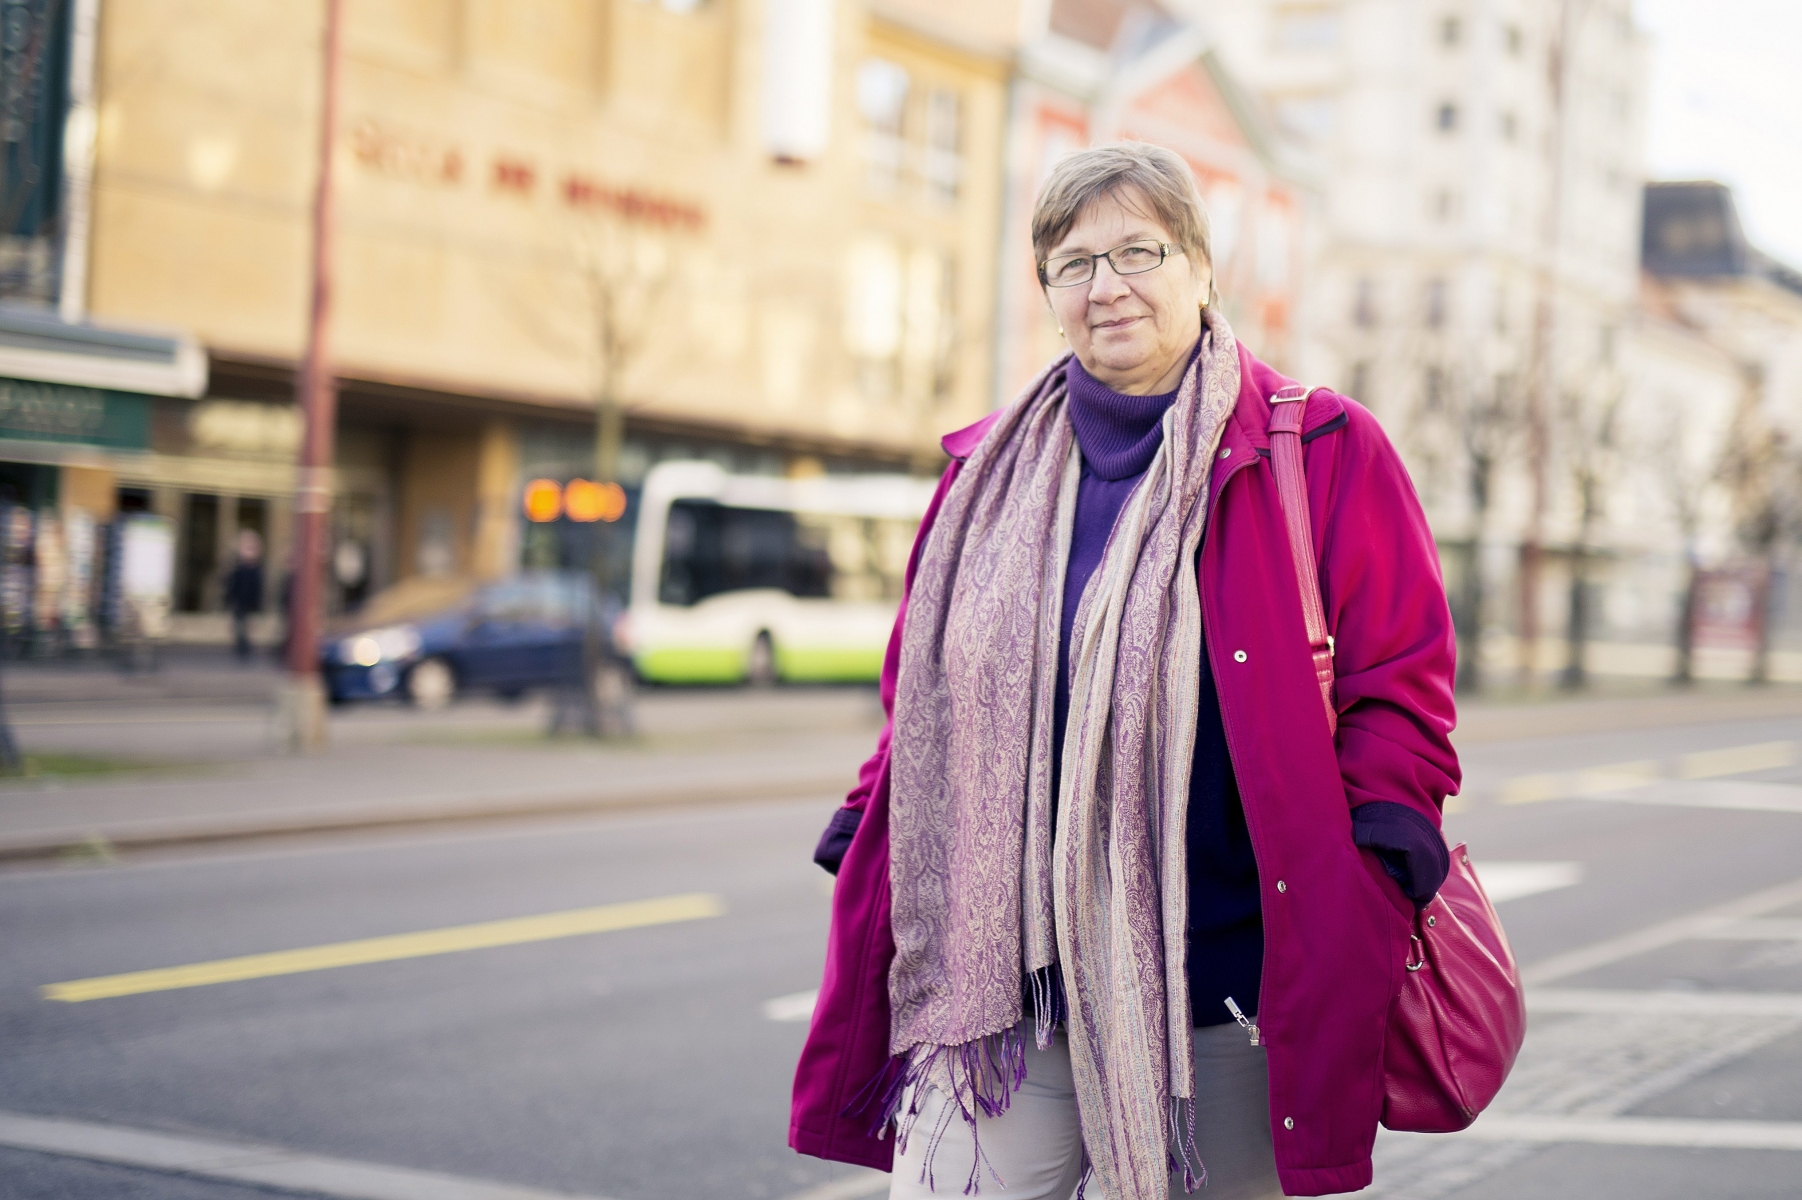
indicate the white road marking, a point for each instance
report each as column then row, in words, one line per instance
column 795, row 1007
column 1512, row 880
column 1696, row 925
column 1745, row 795
column 1700, row 1003
column 260, row 1166
column 1630, row 781
column 864, row 1183
column 1764, row 929
column 1633, row 1131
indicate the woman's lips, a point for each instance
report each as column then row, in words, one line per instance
column 1117, row 323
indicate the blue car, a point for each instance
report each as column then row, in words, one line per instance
column 429, row 641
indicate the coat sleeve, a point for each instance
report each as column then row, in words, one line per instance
column 836, row 840
column 1395, row 650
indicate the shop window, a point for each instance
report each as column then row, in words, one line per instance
column 197, row 553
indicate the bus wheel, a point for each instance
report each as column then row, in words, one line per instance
column 430, row 685
column 760, row 665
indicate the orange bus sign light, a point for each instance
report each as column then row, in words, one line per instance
column 543, row 500
column 584, row 500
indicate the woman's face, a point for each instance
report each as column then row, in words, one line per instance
column 1131, row 332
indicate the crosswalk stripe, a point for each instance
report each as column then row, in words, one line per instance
column 259, row 1166
column 606, row 918
column 1706, row 1134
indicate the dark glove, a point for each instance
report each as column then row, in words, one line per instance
column 1411, row 848
column 837, row 838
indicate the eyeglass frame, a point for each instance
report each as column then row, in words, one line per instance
column 1165, row 250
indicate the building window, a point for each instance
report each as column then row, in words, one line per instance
column 944, row 144
column 1360, row 382
column 1446, row 118
column 1510, row 126
column 1446, row 204
column 1451, row 32
column 1432, row 390
column 1514, row 40
column 1307, row 27
column 1307, row 116
column 882, row 88
column 34, row 104
column 899, row 321
column 1435, row 303
column 1364, row 304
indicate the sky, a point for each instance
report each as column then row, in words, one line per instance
column 1726, row 104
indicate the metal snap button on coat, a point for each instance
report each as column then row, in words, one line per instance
column 1226, row 452
column 1288, row 1122
column 1238, row 656
column 1281, row 886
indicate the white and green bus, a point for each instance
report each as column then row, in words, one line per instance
column 754, row 578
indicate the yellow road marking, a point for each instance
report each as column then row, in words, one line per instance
column 1736, row 760
column 1528, row 789
column 606, row 918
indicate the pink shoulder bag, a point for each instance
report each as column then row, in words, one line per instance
column 1460, row 1019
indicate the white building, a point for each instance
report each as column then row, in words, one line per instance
column 1479, row 263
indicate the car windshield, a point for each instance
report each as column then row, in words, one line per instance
column 408, row 600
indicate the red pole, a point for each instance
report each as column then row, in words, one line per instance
column 317, row 397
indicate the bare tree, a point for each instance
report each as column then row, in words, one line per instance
column 627, row 272
column 1591, row 427
column 1763, row 473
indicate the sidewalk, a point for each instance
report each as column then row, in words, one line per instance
column 205, row 771
column 197, row 744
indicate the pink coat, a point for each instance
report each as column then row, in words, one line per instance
column 1335, row 925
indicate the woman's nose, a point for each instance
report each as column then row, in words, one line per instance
column 1105, row 285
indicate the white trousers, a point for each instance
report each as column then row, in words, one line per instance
column 1036, row 1145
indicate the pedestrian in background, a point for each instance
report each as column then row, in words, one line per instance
column 1112, row 895
column 244, row 589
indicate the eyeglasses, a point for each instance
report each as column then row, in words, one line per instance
column 1134, row 258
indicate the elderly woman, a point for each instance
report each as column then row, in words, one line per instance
column 1113, row 894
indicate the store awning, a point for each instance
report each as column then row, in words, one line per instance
column 35, row 345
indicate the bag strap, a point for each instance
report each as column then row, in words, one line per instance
column 1286, row 410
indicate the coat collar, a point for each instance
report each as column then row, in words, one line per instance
column 1246, row 432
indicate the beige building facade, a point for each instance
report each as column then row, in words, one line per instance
column 683, row 204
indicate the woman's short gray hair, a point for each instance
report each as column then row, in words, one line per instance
column 1080, row 179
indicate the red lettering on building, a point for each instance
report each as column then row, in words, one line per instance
column 631, row 204
column 512, row 175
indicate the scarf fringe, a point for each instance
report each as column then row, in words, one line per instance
column 1048, row 1005
column 978, row 1078
column 983, row 1077
column 1183, row 1155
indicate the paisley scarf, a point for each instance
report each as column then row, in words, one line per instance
column 988, row 897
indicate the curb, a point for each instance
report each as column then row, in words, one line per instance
column 99, row 843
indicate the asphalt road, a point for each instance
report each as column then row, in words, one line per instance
column 643, row 1060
